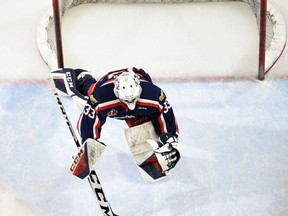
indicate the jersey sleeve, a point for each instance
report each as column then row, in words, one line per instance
column 90, row 121
column 165, row 121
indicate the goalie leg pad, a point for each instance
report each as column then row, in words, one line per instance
column 143, row 153
column 86, row 158
column 136, row 138
column 152, row 167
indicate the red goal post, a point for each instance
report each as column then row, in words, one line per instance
column 271, row 26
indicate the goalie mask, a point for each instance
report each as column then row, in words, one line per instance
column 127, row 88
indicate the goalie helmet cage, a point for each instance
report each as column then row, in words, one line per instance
column 271, row 26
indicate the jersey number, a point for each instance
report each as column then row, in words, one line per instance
column 166, row 106
column 89, row 111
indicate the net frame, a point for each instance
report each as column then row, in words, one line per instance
column 271, row 26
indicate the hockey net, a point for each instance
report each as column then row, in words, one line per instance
column 271, row 26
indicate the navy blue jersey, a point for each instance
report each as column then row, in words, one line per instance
column 102, row 103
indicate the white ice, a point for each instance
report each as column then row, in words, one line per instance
column 233, row 133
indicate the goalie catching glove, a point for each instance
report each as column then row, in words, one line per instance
column 166, row 151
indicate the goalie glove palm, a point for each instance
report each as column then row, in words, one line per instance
column 166, row 151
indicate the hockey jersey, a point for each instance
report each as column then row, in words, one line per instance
column 102, row 103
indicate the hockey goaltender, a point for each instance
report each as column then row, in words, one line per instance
column 127, row 94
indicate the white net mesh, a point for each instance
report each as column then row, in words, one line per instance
column 275, row 27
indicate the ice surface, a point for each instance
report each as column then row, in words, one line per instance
column 233, row 137
column 234, row 154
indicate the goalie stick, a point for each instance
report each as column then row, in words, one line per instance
column 92, row 178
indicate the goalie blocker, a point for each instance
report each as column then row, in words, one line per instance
column 86, row 157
